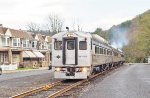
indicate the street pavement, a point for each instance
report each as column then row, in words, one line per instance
column 130, row 81
column 24, row 73
column 20, row 81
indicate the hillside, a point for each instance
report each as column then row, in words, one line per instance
column 133, row 36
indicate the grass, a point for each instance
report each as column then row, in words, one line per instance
column 26, row 68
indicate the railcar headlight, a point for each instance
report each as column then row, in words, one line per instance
column 70, row 35
column 84, row 69
column 58, row 69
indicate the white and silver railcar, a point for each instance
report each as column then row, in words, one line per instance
column 76, row 55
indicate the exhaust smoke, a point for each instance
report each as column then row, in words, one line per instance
column 119, row 37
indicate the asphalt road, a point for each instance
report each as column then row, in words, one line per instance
column 131, row 81
column 7, row 76
column 18, row 82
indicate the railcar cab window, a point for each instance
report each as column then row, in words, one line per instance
column 82, row 45
column 58, row 45
column 70, row 45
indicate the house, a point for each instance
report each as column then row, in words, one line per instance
column 4, row 43
column 23, row 49
column 43, row 46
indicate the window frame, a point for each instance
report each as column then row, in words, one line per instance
column 34, row 44
column 55, row 45
column 82, row 48
column 25, row 43
column 5, row 41
column 73, row 44
column 16, row 41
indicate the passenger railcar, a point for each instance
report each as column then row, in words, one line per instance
column 77, row 55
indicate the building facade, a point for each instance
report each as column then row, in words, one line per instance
column 19, row 48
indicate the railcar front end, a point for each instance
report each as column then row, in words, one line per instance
column 71, row 58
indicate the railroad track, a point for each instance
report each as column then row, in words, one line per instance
column 56, row 89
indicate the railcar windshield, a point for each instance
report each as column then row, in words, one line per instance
column 58, row 45
column 70, row 45
column 82, row 45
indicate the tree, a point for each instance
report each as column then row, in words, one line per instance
column 55, row 23
column 76, row 24
column 105, row 34
column 33, row 27
column 98, row 31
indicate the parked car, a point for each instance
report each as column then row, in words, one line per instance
column 0, row 70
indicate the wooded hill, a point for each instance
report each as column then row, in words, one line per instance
column 132, row 36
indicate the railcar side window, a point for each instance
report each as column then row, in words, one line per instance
column 108, row 52
column 82, row 45
column 96, row 50
column 115, row 54
column 70, row 45
column 101, row 50
column 58, row 45
column 122, row 55
column 104, row 51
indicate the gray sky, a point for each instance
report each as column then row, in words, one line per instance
column 90, row 14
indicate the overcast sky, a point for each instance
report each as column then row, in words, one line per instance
column 90, row 14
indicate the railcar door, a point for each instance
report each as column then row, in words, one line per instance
column 70, row 51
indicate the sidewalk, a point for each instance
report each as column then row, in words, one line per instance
column 14, row 71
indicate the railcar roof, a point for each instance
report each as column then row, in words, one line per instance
column 99, row 38
column 79, row 33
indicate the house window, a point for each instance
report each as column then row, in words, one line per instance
column 5, row 41
column 50, row 46
column 34, row 44
column 45, row 45
column 3, row 57
column 16, row 42
column 42, row 45
column 26, row 44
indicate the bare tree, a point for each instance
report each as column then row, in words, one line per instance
column 55, row 23
column 76, row 24
column 33, row 27
column 73, row 23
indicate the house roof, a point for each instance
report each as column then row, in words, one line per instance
column 3, row 30
column 20, row 34
column 44, row 37
column 40, row 37
column 33, row 35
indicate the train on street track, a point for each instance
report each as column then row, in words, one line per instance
column 78, row 55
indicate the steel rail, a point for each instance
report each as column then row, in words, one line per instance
column 59, row 92
column 37, row 90
column 62, row 91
